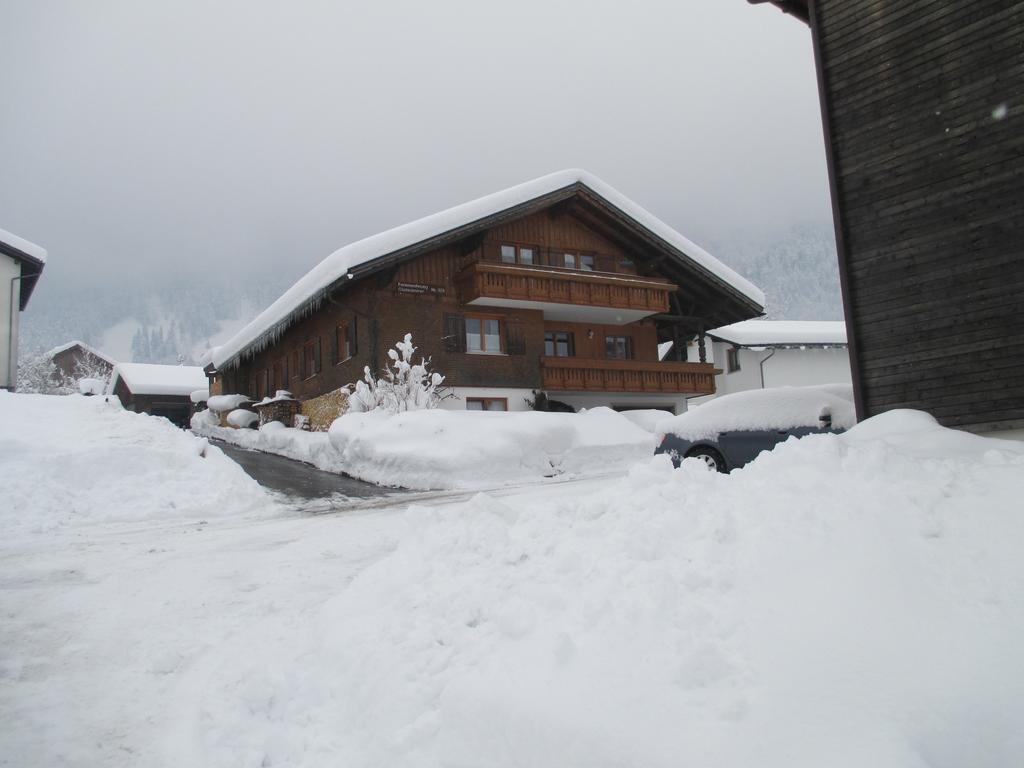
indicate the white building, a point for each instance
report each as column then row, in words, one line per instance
column 21, row 263
column 756, row 354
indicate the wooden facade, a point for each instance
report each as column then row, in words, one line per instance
column 923, row 112
column 488, row 308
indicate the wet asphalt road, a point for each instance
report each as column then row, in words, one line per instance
column 302, row 481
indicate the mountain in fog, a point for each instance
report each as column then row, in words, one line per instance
column 171, row 321
column 798, row 271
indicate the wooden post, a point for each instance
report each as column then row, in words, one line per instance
column 701, row 347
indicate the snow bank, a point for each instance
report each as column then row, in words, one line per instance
column 456, row 449
column 199, row 395
column 91, row 386
column 438, row 449
column 764, row 409
column 845, row 601
column 74, row 459
column 224, row 403
column 241, row 418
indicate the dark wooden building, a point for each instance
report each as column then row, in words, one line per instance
column 923, row 111
column 75, row 357
column 560, row 285
column 159, row 390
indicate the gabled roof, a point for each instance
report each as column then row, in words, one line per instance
column 151, row 379
column 85, row 348
column 32, row 258
column 798, row 8
column 407, row 241
column 782, row 333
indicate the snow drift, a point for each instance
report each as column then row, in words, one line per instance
column 82, row 459
column 463, row 449
column 849, row 601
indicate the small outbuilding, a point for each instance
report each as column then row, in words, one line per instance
column 76, row 359
column 159, row 390
column 755, row 354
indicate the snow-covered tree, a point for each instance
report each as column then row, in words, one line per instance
column 403, row 385
column 38, row 374
column 94, row 370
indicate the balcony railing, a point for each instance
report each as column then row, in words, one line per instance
column 520, row 282
column 579, row 374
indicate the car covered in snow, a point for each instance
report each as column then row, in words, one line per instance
column 730, row 431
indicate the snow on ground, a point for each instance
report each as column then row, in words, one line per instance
column 845, row 600
column 440, row 449
column 75, row 459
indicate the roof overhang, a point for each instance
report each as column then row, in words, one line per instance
column 31, row 268
column 798, row 8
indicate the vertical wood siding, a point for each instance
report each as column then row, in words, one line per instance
column 924, row 104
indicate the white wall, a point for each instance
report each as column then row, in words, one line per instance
column 786, row 367
column 517, row 399
column 9, row 269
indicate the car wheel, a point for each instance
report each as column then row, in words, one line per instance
column 709, row 456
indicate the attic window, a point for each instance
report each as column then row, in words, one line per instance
column 518, row 254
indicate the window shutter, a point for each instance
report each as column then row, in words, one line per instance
column 516, row 341
column 353, row 337
column 454, row 333
column 317, row 352
column 334, row 348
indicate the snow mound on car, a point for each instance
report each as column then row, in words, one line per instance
column 764, row 409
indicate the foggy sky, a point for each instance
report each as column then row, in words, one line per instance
column 167, row 138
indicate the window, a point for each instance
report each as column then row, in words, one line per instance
column 483, row 334
column 284, row 371
column 278, row 382
column 261, row 384
column 559, row 344
column 296, row 370
column 732, row 360
column 518, row 254
column 342, row 344
column 310, row 359
column 618, row 347
column 486, row 403
column 585, row 262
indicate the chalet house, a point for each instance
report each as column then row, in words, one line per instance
column 72, row 357
column 560, row 285
column 21, row 263
column 159, row 390
column 754, row 354
column 923, row 112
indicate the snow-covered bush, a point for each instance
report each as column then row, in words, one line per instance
column 404, row 386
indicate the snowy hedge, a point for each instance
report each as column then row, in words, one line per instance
column 463, row 449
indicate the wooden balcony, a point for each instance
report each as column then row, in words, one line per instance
column 582, row 375
column 500, row 284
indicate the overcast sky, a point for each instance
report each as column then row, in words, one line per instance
column 187, row 136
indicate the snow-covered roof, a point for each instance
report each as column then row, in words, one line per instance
column 315, row 283
column 782, row 333
column 151, row 379
column 29, row 249
column 91, row 350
